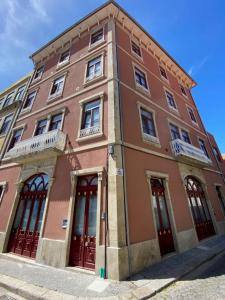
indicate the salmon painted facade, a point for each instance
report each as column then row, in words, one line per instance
column 113, row 168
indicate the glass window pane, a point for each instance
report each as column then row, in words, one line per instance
column 41, row 216
column 26, row 215
column 92, row 215
column 156, row 212
column 80, row 211
column 163, row 211
column 34, row 215
column 18, row 215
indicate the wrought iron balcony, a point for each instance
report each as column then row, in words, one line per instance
column 189, row 153
column 38, row 147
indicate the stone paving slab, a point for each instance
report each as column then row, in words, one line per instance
column 35, row 281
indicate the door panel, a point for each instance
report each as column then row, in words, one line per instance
column 165, row 236
column 199, row 208
column 83, row 241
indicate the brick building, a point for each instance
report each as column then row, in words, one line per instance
column 114, row 168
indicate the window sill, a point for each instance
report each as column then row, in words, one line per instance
column 151, row 140
column 96, row 45
column 142, row 89
column 165, row 79
column 36, row 80
column 89, row 137
column 26, row 110
column 62, row 64
column 93, row 80
column 195, row 123
column 137, row 56
column 174, row 110
column 54, row 97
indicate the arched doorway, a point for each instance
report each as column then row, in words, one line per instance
column 83, row 241
column 164, row 230
column 27, row 223
column 199, row 208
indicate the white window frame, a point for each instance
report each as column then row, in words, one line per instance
column 29, row 108
column 66, row 62
column 40, row 76
column 23, row 126
column 193, row 122
column 101, row 75
column 17, row 90
column 99, row 96
column 133, row 52
column 200, row 138
column 4, row 186
column 48, row 118
column 7, row 96
column 185, row 95
column 137, row 85
column 172, row 122
column 2, row 122
column 1, row 104
column 163, row 78
column 147, row 138
column 100, row 42
column 173, row 109
column 56, row 95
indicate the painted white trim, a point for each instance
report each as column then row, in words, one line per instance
column 88, row 81
column 57, row 95
column 138, row 86
column 100, row 42
column 133, row 40
column 4, row 185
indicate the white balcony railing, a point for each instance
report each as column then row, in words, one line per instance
column 53, row 140
column 187, row 151
column 89, row 131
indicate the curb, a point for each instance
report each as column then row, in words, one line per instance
column 34, row 292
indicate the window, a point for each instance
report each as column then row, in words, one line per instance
column 185, row 136
column 203, row 147
column 8, row 100
column 15, row 138
column 147, row 121
column 175, row 133
column 94, row 68
column 38, row 73
column 1, row 102
column 170, row 100
column 19, row 93
column 135, row 48
column 191, row 114
column 55, row 122
column 220, row 196
column 3, row 185
column 64, row 58
column 91, row 114
column 163, row 72
column 29, row 100
column 41, row 127
column 6, row 124
column 183, row 90
column 217, row 154
column 57, row 87
column 97, row 36
column 140, row 78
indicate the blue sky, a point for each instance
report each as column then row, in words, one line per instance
column 193, row 32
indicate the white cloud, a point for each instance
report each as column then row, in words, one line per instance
column 195, row 68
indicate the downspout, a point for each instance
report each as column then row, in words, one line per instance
column 106, row 217
column 123, row 164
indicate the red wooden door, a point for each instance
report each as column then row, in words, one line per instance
column 165, row 236
column 27, row 223
column 83, row 241
column 199, row 207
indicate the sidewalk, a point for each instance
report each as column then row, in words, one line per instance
column 35, row 281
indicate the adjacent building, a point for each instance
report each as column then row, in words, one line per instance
column 113, row 168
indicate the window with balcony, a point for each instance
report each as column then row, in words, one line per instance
column 29, row 100
column 57, row 87
column 16, row 137
column 94, row 68
column 55, row 122
column 183, row 90
column 6, row 124
column 41, row 127
column 220, row 197
column 140, row 79
column 175, row 133
column 9, row 99
column 64, row 58
column 38, row 73
column 19, row 93
column 216, row 154
column 203, row 147
column 163, row 73
column 185, row 136
column 136, row 49
column 170, row 100
column 192, row 115
column 97, row 37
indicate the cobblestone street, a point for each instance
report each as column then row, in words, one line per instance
column 205, row 283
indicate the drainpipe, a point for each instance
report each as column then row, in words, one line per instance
column 123, row 166
column 106, row 218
